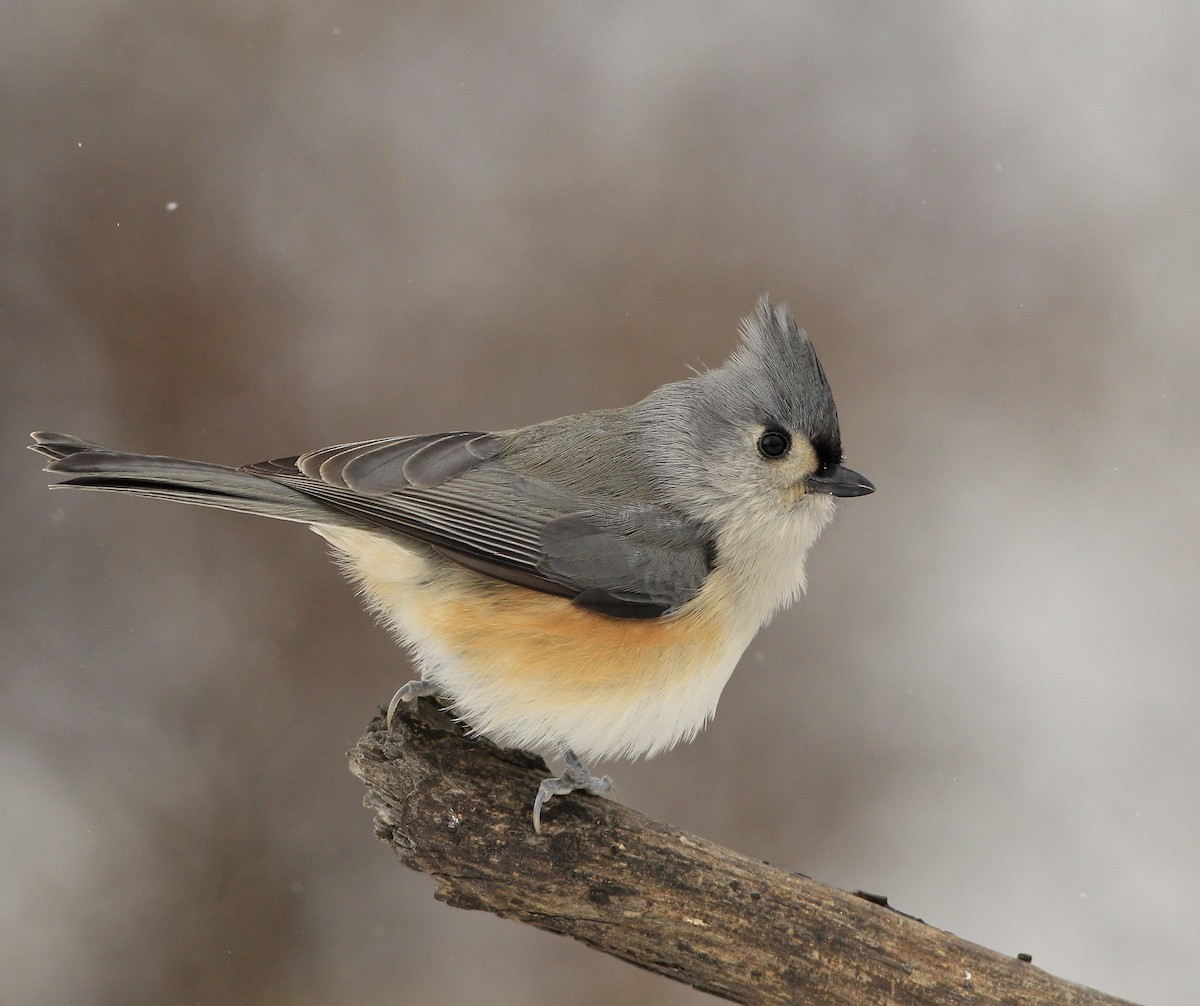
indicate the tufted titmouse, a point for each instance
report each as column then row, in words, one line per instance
column 584, row 585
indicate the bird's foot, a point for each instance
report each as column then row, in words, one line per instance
column 409, row 692
column 575, row 776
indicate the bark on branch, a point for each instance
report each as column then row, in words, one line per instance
column 460, row 810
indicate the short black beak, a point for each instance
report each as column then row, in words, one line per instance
column 837, row 480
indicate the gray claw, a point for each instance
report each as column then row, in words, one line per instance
column 409, row 692
column 575, row 776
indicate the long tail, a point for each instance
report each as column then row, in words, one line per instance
column 95, row 467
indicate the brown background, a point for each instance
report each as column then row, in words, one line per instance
column 397, row 218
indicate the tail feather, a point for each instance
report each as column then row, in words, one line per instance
column 59, row 445
column 93, row 466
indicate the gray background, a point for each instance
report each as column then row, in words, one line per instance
column 396, row 218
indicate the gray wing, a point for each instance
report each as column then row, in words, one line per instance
column 460, row 493
column 634, row 558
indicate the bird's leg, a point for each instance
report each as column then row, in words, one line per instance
column 575, row 776
column 409, row 692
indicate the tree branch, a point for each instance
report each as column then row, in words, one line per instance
column 460, row 810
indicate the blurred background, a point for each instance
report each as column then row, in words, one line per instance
column 244, row 228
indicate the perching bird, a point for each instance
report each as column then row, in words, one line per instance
column 584, row 585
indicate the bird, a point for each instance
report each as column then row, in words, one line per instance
column 583, row 586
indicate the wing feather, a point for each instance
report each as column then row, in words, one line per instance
column 463, row 495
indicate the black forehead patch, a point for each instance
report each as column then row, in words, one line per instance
column 829, row 451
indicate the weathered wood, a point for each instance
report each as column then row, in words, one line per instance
column 460, row 810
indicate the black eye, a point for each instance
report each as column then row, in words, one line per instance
column 774, row 444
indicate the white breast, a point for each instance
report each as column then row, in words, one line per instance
column 532, row 671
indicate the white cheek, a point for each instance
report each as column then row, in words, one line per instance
column 764, row 545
